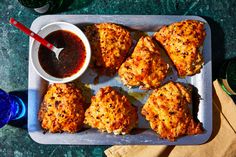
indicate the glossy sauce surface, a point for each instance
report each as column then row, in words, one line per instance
column 71, row 58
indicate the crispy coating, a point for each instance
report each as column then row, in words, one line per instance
column 112, row 112
column 144, row 68
column 110, row 44
column 182, row 41
column 167, row 110
column 62, row 109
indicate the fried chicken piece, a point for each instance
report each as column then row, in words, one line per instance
column 110, row 44
column 182, row 41
column 144, row 68
column 62, row 109
column 167, row 110
column 112, row 112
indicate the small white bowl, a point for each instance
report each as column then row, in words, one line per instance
column 55, row 26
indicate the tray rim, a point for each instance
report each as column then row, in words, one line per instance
column 133, row 16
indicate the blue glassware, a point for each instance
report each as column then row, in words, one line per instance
column 11, row 108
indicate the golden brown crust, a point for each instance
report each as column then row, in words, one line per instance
column 168, row 112
column 112, row 112
column 110, row 44
column 182, row 41
column 62, row 109
column 145, row 67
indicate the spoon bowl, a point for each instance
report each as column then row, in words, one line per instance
column 57, row 51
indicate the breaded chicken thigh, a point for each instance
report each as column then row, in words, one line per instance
column 183, row 41
column 167, row 110
column 62, row 109
column 112, row 112
column 110, row 44
column 144, row 68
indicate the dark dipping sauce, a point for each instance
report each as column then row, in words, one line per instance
column 71, row 58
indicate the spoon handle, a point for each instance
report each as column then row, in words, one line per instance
column 30, row 33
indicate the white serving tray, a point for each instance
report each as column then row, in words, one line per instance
column 143, row 134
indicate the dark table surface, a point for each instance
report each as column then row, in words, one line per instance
column 15, row 141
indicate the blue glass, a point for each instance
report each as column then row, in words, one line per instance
column 11, row 108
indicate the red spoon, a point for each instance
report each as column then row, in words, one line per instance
column 36, row 37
